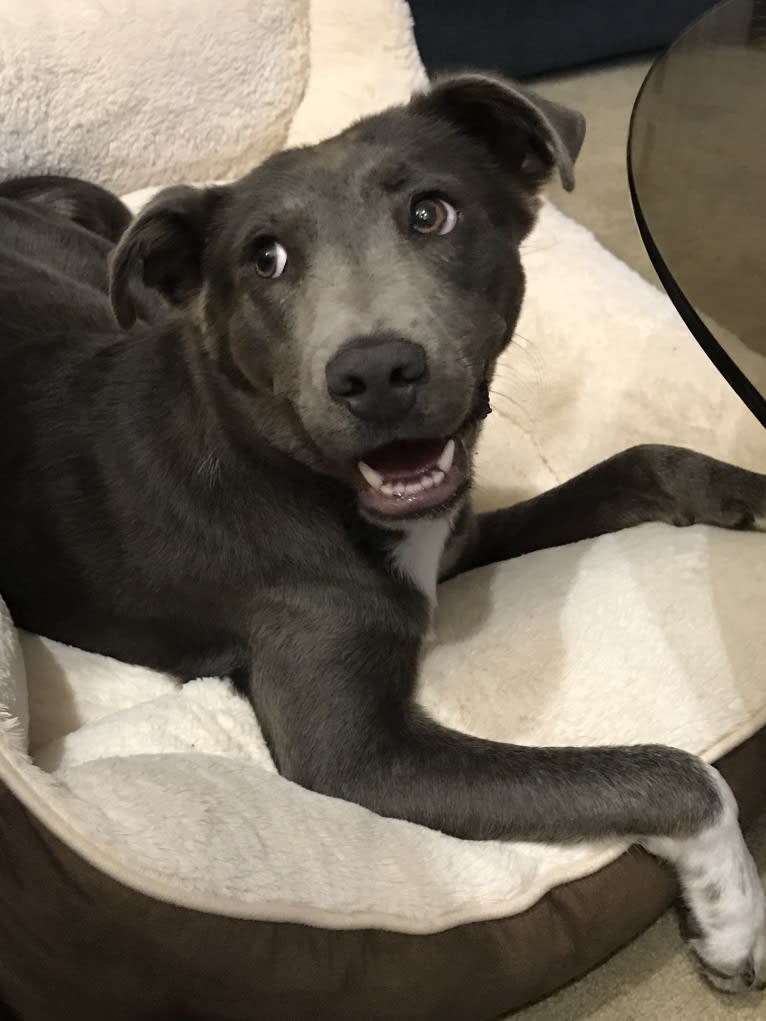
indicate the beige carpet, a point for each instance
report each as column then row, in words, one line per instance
column 653, row 979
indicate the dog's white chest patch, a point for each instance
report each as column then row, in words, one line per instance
column 418, row 554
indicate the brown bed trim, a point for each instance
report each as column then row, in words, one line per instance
column 77, row 946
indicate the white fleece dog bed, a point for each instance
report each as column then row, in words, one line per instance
column 651, row 635
column 562, row 646
column 654, row 634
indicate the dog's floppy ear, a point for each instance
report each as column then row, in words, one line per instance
column 529, row 135
column 163, row 247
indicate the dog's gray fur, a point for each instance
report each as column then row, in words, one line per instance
column 185, row 495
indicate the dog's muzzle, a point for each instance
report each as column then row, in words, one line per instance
column 418, row 477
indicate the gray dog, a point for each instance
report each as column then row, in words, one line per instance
column 267, row 476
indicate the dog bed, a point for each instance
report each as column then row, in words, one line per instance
column 152, row 862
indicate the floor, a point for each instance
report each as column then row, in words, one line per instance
column 653, row 979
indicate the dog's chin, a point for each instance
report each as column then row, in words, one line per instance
column 412, row 479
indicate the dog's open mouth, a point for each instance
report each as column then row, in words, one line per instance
column 410, row 477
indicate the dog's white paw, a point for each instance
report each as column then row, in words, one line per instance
column 724, row 896
column 729, row 920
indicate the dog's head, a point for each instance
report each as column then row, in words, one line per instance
column 358, row 292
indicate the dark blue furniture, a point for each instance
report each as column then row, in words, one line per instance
column 528, row 37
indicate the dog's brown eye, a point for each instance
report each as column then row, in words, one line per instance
column 269, row 258
column 432, row 215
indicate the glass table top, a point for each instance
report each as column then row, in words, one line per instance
column 697, row 168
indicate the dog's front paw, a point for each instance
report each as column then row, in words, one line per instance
column 745, row 500
column 730, row 936
column 724, row 897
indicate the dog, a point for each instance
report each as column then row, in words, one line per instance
column 237, row 439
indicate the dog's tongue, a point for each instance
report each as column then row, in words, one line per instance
column 404, row 458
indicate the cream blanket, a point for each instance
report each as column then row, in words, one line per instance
column 651, row 635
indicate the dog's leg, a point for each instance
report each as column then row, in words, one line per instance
column 646, row 483
column 332, row 685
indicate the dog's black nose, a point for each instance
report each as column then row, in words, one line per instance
column 377, row 379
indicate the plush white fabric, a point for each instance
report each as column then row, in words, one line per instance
column 362, row 60
column 650, row 635
column 135, row 92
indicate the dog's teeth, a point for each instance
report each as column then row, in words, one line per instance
column 437, row 478
column 387, row 489
column 413, row 487
column 426, row 482
column 374, row 478
column 448, row 456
